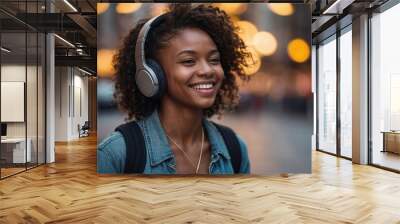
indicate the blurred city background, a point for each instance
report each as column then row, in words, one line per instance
column 275, row 113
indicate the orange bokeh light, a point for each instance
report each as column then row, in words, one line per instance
column 158, row 9
column 298, row 50
column 254, row 62
column 104, row 62
column 127, row 8
column 232, row 8
column 282, row 9
column 246, row 31
column 102, row 7
column 265, row 43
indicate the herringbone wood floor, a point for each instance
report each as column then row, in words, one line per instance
column 70, row 191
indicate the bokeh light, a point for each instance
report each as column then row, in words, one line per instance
column 102, row 7
column 303, row 84
column 234, row 19
column 127, row 8
column 158, row 9
column 232, row 8
column 298, row 50
column 104, row 62
column 282, row 9
column 246, row 31
column 265, row 43
column 254, row 62
column 260, row 84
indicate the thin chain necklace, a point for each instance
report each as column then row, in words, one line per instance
column 184, row 153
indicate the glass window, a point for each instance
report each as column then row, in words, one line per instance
column 22, row 91
column 385, row 87
column 31, row 97
column 327, row 96
column 14, row 153
column 346, row 94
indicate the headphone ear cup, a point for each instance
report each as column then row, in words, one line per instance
column 162, row 81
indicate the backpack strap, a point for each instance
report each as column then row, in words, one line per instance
column 135, row 161
column 233, row 145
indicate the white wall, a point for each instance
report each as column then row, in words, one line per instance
column 62, row 80
column 80, row 102
column 71, row 87
column 13, row 72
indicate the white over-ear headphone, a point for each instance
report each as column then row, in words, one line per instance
column 149, row 77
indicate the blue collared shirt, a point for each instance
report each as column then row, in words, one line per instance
column 111, row 152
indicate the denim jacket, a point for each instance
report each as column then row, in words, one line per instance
column 111, row 152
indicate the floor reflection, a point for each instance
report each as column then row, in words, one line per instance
column 387, row 159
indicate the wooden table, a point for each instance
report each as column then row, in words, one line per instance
column 391, row 141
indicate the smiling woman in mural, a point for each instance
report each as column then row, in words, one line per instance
column 174, row 72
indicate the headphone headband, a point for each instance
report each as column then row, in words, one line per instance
column 140, row 58
column 148, row 79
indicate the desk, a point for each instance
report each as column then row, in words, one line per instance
column 16, row 147
column 391, row 141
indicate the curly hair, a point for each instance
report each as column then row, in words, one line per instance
column 216, row 23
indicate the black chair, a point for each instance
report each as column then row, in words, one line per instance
column 84, row 130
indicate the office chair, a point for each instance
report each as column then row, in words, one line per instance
column 84, row 130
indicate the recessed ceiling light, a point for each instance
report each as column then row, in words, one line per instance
column 84, row 71
column 5, row 50
column 70, row 5
column 65, row 41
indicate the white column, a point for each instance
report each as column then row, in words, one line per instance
column 50, row 99
column 360, row 90
column 50, row 93
column 314, row 92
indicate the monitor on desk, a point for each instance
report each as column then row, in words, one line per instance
column 3, row 129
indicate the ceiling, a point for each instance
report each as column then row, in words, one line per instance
column 76, row 26
column 331, row 15
column 79, row 27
